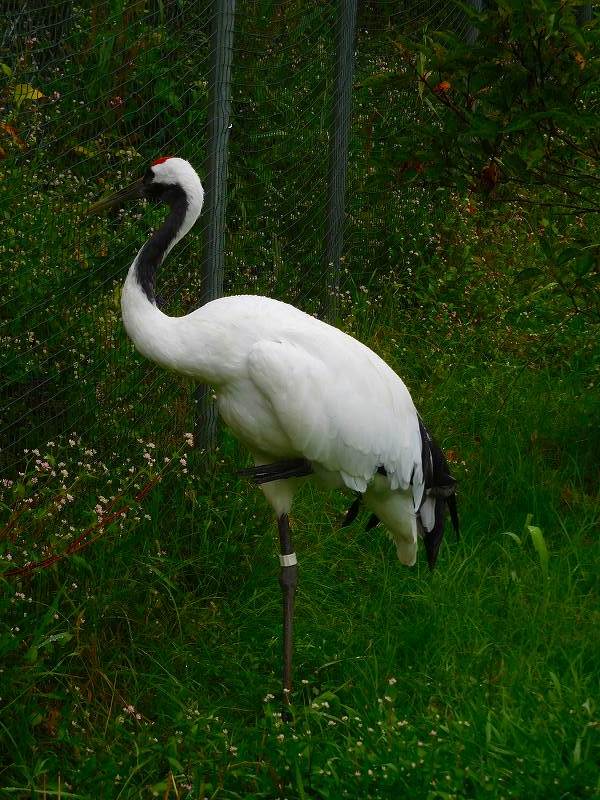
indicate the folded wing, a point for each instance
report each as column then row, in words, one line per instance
column 342, row 408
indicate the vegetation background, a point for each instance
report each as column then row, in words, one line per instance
column 147, row 663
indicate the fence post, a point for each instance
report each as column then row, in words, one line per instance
column 472, row 31
column 338, row 147
column 215, row 188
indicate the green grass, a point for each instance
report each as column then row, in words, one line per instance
column 148, row 665
column 479, row 680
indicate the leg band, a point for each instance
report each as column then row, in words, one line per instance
column 288, row 560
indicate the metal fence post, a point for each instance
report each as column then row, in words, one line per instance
column 338, row 148
column 215, row 187
column 472, row 31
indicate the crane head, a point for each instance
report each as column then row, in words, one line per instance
column 163, row 176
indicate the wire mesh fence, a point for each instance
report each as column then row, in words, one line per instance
column 307, row 202
column 88, row 100
column 281, row 109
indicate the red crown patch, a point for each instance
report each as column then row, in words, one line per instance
column 160, row 160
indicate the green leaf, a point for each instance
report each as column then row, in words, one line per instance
column 488, row 729
column 555, row 682
column 162, row 576
column 537, row 537
column 534, row 156
column 546, row 247
column 57, row 637
column 31, row 655
column 566, row 255
column 84, row 151
column 6, row 69
column 300, row 783
column 379, row 79
column 584, row 264
column 529, row 273
column 25, row 91
column 484, row 127
column 518, row 124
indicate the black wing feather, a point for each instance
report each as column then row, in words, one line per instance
column 278, row 470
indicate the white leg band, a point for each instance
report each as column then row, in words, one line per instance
column 289, row 560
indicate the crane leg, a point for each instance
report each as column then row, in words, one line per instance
column 288, row 579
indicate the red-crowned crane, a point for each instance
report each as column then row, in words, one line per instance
column 309, row 401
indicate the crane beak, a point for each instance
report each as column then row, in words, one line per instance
column 133, row 191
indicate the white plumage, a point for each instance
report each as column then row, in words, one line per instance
column 289, row 386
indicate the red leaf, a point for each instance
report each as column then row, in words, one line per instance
column 442, row 87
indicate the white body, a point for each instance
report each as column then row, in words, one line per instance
column 291, row 386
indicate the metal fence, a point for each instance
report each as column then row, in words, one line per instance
column 260, row 98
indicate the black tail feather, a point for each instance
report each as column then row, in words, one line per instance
column 453, row 509
column 440, row 485
column 433, row 538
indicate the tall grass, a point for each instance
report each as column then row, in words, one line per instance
column 149, row 666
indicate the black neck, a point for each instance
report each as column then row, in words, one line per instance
column 153, row 252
